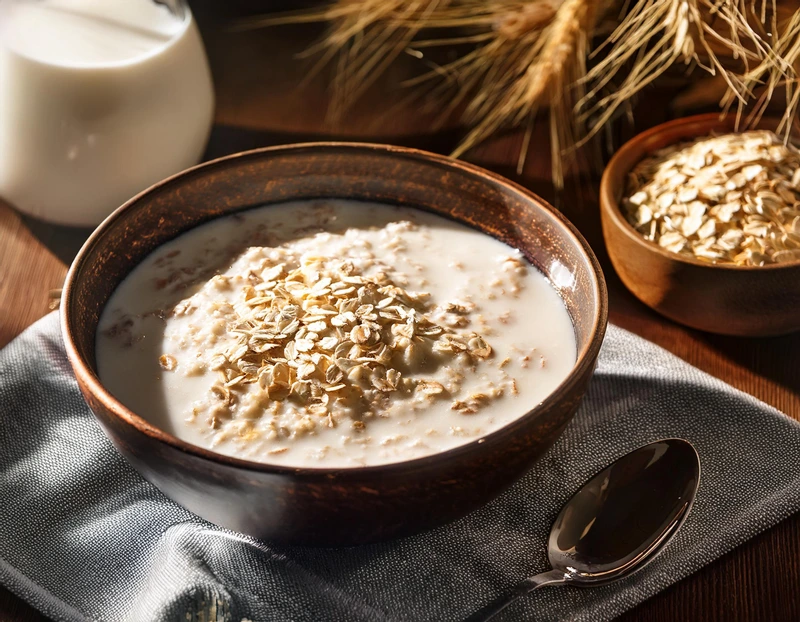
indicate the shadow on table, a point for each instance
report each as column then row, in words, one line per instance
column 64, row 242
column 227, row 139
column 770, row 357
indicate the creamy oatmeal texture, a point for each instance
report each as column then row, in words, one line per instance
column 333, row 333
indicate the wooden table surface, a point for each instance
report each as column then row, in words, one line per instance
column 261, row 101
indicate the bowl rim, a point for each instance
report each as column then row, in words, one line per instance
column 583, row 365
column 611, row 206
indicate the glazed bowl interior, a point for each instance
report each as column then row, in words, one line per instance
column 362, row 172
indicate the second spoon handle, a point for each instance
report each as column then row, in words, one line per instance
column 551, row 577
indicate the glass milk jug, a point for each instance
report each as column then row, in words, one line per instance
column 99, row 99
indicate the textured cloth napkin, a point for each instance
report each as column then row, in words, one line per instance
column 84, row 537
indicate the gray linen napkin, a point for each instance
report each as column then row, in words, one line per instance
column 83, row 537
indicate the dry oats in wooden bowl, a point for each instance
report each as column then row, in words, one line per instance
column 334, row 343
column 702, row 223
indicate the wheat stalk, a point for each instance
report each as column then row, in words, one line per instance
column 549, row 74
column 657, row 34
column 525, row 56
column 776, row 70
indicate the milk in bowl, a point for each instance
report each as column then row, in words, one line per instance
column 333, row 333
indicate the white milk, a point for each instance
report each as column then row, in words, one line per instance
column 98, row 100
column 515, row 308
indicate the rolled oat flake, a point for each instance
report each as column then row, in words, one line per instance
column 729, row 199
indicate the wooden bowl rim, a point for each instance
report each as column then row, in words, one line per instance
column 583, row 365
column 611, row 206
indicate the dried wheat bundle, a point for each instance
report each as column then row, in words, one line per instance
column 728, row 39
column 533, row 57
column 779, row 69
column 526, row 56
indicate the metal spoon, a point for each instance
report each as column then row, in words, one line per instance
column 617, row 521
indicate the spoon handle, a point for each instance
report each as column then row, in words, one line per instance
column 551, row 577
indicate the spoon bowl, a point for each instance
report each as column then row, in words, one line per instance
column 617, row 521
column 621, row 516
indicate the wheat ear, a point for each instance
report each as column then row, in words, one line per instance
column 549, row 78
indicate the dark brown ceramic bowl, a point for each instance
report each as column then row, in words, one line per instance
column 323, row 506
column 731, row 300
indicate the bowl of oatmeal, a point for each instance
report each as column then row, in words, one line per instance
column 702, row 224
column 334, row 344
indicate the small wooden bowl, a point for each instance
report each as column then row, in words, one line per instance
column 731, row 300
column 324, row 506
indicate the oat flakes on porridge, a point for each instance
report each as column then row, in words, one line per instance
column 333, row 333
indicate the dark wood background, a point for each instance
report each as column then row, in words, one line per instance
column 264, row 97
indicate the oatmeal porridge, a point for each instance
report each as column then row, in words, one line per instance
column 333, row 333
